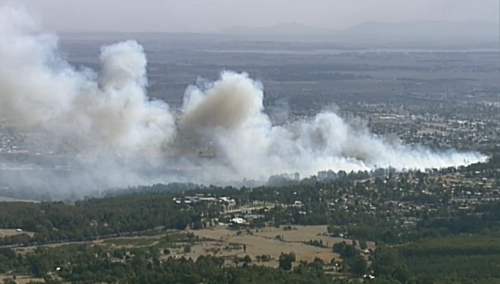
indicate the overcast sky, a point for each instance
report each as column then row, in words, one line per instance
column 214, row 15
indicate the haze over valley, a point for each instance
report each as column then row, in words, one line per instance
column 250, row 141
column 88, row 121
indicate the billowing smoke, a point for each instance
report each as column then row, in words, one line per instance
column 115, row 133
column 93, row 111
column 230, row 113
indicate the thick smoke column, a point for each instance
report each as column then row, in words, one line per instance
column 230, row 112
column 110, row 122
column 92, row 111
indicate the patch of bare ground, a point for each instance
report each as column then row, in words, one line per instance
column 13, row 232
column 230, row 243
column 21, row 279
column 8, row 199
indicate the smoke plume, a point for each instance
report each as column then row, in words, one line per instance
column 230, row 113
column 115, row 133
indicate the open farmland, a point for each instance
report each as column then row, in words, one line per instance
column 229, row 243
column 222, row 241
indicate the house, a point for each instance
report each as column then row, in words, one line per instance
column 238, row 222
column 227, row 200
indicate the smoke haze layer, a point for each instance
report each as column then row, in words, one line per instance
column 116, row 133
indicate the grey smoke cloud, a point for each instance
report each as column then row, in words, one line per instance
column 39, row 89
column 118, row 133
column 255, row 148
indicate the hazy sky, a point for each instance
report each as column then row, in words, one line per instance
column 213, row 15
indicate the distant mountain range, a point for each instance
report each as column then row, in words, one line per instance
column 279, row 29
column 410, row 30
column 429, row 30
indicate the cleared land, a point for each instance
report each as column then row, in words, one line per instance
column 12, row 232
column 225, row 242
column 8, row 199
column 229, row 243
column 22, row 279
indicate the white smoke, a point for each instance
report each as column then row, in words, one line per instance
column 109, row 121
column 230, row 113
column 39, row 89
